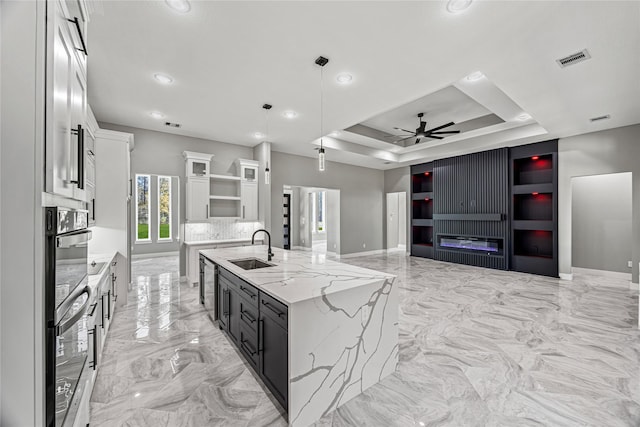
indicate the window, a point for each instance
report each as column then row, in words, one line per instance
column 143, row 207
column 164, row 208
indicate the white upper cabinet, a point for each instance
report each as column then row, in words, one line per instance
column 248, row 189
column 66, row 108
column 197, row 164
column 197, row 199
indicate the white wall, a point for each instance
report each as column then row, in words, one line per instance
column 161, row 153
column 610, row 151
column 601, row 222
column 22, row 77
column 361, row 197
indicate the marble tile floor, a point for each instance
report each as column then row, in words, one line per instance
column 478, row 347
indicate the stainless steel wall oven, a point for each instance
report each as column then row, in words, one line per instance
column 70, row 304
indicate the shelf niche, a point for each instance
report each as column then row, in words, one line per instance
column 422, row 210
column 535, row 169
column 533, row 207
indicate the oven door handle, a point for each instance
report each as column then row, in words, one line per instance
column 64, row 327
column 74, row 239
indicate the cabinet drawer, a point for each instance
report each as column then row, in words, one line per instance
column 249, row 292
column 274, row 309
column 248, row 344
column 249, row 315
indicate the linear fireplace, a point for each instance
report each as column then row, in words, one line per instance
column 471, row 244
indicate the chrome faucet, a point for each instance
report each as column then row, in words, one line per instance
column 269, row 253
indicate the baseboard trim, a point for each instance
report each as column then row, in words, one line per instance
column 566, row 276
column 603, row 273
column 155, row 255
column 359, row 254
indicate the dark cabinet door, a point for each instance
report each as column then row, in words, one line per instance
column 272, row 348
column 234, row 314
column 209, row 286
column 223, row 305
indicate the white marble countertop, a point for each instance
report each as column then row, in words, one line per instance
column 94, row 279
column 215, row 242
column 296, row 275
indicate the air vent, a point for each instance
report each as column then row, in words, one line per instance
column 583, row 55
column 596, row 119
column 172, row 125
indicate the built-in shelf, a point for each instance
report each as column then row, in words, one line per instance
column 213, row 197
column 470, row 217
column 225, row 177
column 534, row 190
column 422, row 210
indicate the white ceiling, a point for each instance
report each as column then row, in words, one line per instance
column 228, row 58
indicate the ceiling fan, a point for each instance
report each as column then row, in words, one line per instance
column 421, row 131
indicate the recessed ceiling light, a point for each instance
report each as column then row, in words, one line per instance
column 163, row 78
column 258, row 135
column 156, row 115
column 290, row 114
column 523, row 117
column 475, row 76
column 344, row 78
column 181, row 6
column 457, row 6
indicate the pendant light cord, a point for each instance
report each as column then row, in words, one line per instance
column 321, row 104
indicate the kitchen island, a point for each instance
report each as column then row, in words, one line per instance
column 339, row 324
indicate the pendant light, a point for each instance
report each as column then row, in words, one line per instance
column 321, row 61
column 267, row 171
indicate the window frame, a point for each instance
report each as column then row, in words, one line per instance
column 148, row 239
column 170, row 238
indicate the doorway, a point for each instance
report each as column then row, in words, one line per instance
column 397, row 221
column 601, row 220
column 314, row 219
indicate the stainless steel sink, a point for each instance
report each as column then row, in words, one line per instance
column 95, row 268
column 250, row 263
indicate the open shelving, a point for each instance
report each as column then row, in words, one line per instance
column 286, row 220
column 422, row 210
column 534, row 210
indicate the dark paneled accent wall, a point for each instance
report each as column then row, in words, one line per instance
column 476, row 183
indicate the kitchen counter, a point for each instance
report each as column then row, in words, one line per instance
column 342, row 325
column 296, row 275
column 217, row 242
column 193, row 246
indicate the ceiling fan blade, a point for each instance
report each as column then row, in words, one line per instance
column 441, row 127
column 434, row 137
column 404, row 139
column 442, row 132
column 417, row 140
column 404, row 130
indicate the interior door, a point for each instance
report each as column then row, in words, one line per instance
column 392, row 221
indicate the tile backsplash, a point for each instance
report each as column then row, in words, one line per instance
column 220, row 229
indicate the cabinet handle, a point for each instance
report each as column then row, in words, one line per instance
column 272, row 308
column 109, row 305
column 207, row 210
column 248, row 316
column 242, row 211
column 225, row 302
column 102, row 306
column 247, row 291
column 84, row 47
column 80, row 157
column 244, row 344
column 260, row 336
column 93, row 310
column 94, row 333
column 93, row 209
